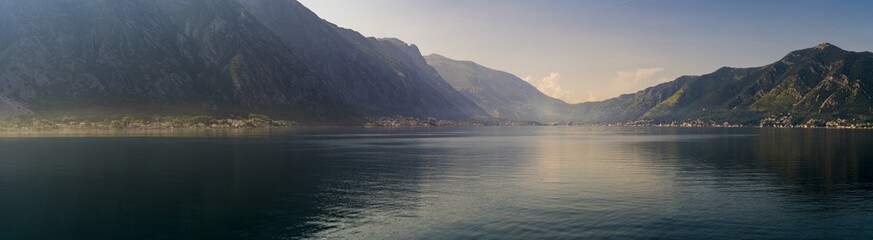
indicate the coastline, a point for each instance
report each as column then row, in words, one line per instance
column 255, row 124
column 253, row 121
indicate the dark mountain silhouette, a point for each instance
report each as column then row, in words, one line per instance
column 96, row 58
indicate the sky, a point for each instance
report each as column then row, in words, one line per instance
column 590, row 50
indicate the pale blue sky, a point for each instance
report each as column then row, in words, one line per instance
column 581, row 50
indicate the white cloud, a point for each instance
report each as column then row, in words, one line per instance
column 622, row 83
column 551, row 86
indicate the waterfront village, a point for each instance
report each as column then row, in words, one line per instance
column 775, row 121
column 156, row 123
column 262, row 121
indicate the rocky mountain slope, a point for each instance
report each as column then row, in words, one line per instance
column 823, row 82
column 99, row 58
column 501, row 94
column 378, row 76
column 111, row 58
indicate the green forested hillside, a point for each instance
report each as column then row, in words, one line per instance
column 823, row 82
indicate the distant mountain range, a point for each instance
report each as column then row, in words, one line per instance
column 104, row 59
column 823, row 82
column 501, row 94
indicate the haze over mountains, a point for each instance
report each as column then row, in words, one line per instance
column 823, row 82
column 101, row 58
column 165, row 57
column 501, row 94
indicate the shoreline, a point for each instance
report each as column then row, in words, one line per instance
column 256, row 122
column 268, row 129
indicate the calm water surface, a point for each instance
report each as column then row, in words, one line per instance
column 457, row 183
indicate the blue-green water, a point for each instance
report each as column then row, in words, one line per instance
column 454, row 183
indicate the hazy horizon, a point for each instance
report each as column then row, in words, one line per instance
column 594, row 50
column 257, row 119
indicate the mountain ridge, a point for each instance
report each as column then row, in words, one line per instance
column 350, row 57
column 808, row 83
column 149, row 58
column 99, row 58
column 501, row 94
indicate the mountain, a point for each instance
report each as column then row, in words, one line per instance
column 105, row 58
column 501, row 94
column 379, row 76
column 123, row 57
column 823, row 82
column 110, row 58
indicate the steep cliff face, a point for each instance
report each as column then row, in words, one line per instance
column 151, row 57
column 378, row 77
column 821, row 82
column 410, row 56
column 102, row 58
column 61, row 54
column 502, row 94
